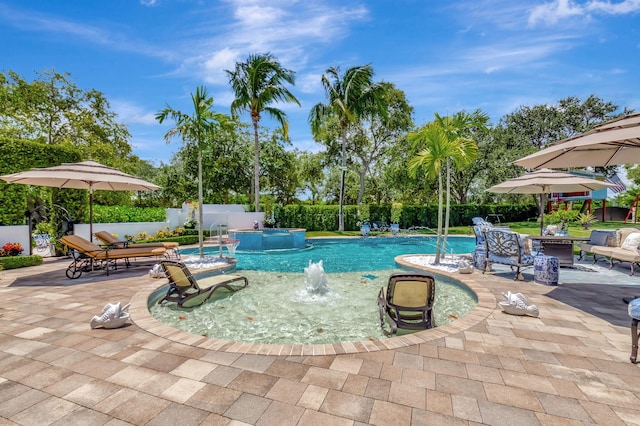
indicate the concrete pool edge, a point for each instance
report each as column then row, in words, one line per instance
column 486, row 305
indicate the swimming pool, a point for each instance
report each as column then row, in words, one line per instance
column 277, row 308
column 341, row 254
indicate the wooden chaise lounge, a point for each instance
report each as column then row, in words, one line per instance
column 185, row 291
column 88, row 256
column 108, row 239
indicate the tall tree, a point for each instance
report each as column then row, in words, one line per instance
column 53, row 110
column 350, row 97
column 280, row 169
column 458, row 129
column 431, row 159
column 193, row 129
column 311, row 172
column 257, row 83
column 529, row 129
column 445, row 140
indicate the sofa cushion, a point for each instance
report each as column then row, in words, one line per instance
column 599, row 238
column 632, row 242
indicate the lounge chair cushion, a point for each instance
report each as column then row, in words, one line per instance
column 93, row 250
column 108, row 239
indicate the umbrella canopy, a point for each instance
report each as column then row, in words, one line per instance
column 84, row 175
column 545, row 181
column 611, row 143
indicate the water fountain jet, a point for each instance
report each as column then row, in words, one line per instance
column 315, row 279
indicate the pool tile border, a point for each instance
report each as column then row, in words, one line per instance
column 486, row 305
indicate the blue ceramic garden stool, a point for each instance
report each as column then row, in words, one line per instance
column 546, row 270
column 479, row 258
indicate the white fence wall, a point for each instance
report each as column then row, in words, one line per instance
column 211, row 221
column 16, row 234
column 232, row 216
column 120, row 229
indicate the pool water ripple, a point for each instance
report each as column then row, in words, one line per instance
column 276, row 307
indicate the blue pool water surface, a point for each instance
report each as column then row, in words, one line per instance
column 277, row 307
column 340, row 254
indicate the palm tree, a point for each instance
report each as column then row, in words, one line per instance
column 437, row 149
column 193, row 129
column 257, row 83
column 458, row 130
column 447, row 140
column 350, row 96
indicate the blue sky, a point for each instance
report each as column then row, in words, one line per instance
column 447, row 56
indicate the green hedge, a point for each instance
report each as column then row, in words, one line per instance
column 120, row 214
column 323, row 218
column 182, row 239
column 14, row 262
column 21, row 155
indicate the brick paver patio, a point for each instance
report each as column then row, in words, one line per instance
column 569, row 366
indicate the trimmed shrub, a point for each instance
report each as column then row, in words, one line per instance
column 123, row 214
column 15, row 262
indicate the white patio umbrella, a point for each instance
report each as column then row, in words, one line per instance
column 545, row 181
column 611, row 143
column 84, row 175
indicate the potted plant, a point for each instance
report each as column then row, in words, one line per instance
column 585, row 219
column 363, row 214
column 269, row 222
column 396, row 211
column 190, row 223
column 43, row 239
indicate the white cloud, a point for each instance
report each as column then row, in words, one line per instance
column 557, row 10
column 34, row 21
column 291, row 30
column 131, row 113
column 219, row 61
column 624, row 7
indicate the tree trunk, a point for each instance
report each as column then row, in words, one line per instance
column 438, row 241
column 361, row 175
column 342, row 176
column 256, row 166
column 200, row 198
column 448, row 208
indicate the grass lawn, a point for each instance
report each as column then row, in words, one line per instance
column 529, row 228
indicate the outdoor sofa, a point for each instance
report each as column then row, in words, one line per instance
column 625, row 250
column 598, row 238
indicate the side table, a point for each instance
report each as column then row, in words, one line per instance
column 546, row 269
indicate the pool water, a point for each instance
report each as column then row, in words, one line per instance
column 277, row 308
column 341, row 254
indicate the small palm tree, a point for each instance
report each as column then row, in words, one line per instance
column 257, row 83
column 432, row 159
column 350, row 96
column 193, row 129
column 458, row 130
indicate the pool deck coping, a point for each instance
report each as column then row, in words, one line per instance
column 486, row 302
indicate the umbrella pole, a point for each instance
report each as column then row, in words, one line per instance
column 542, row 197
column 91, row 213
